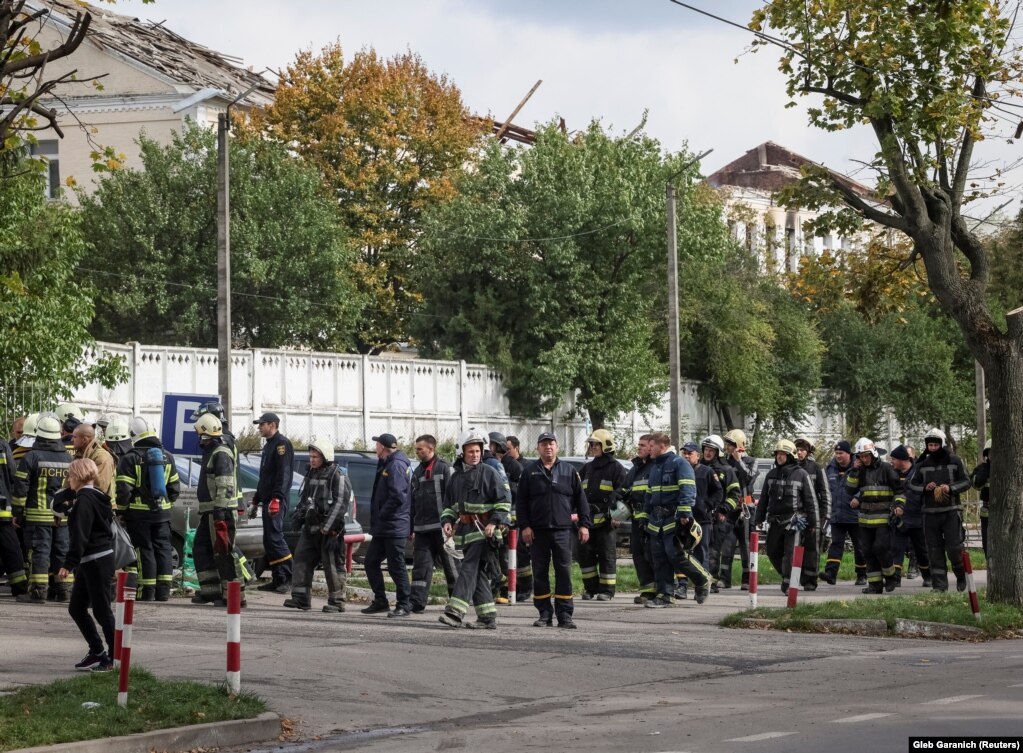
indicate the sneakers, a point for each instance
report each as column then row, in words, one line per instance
column 481, row 625
column 399, row 612
column 604, row 597
column 658, row 602
column 566, row 623
column 450, row 620
column 543, row 622
column 377, row 607
column 681, row 592
column 502, row 600
column 89, row 661
column 702, row 594
column 106, row 665
column 302, row 604
column 333, row 608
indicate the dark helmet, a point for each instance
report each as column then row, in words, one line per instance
column 215, row 408
column 500, row 440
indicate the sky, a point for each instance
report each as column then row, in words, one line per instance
column 603, row 59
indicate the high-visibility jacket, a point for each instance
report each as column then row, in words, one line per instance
column 879, row 490
column 41, row 473
column 135, row 498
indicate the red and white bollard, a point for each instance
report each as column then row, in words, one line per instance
column 797, row 571
column 513, row 564
column 754, row 566
column 971, row 584
column 128, row 599
column 119, row 613
column 351, row 539
column 234, row 637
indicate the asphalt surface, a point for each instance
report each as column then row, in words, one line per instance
column 629, row 679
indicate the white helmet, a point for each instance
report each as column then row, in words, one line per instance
column 70, row 410
column 936, row 435
column 865, row 445
column 117, row 430
column 472, row 436
column 324, row 446
column 714, row 441
column 139, row 428
column 48, row 427
column 29, row 429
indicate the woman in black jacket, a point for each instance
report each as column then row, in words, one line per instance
column 91, row 557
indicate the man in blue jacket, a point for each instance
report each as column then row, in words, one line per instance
column 390, row 522
column 844, row 520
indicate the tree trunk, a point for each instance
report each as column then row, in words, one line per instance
column 597, row 419
column 1004, row 376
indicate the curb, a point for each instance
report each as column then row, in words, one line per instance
column 266, row 726
column 940, row 630
column 856, row 627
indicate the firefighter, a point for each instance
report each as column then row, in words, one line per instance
column 844, row 520
column 602, row 478
column 40, row 475
column 147, row 485
column 513, row 472
column 909, row 527
column 669, row 509
column 981, row 478
column 813, row 538
column 477, row 509
column 709, row 497
column 634, row 491
column 550, row 492
column 746, row 472
column 324, row 501
column 940, row 477
column 390, row 525
column 216, row 559
column 728, row 513
column 28, row 437
column 788, row 504
column 10, row 548
column 876, row 494
column 117, row 440
column 276, row 468
column 429, row 483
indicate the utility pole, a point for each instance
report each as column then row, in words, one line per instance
column 674, row 368
column 224, row 252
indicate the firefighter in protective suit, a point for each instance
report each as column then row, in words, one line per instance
column 477, row 508
column 324, row 500
column 117, row 440
column 788, row 503
column 876, row 493
column 147, row 485
column 217, row 561
column 10, row 548
column 40, row 475
column 602, row 479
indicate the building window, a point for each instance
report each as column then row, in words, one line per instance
column 47, row 151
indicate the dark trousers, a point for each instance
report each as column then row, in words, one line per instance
column 275, row 548
column 152, row 542
column 702, row 550
column 59, row 548
column 92, row 591
column 597, row 561
column 778, row 547
column 731, row 534
column 837, row 549
column 910, row 540
column 810, row 539
column 215, row 571
column 313, row 549
column 38, row 543
column 428, row 551
column 473, row 584
column 877, row 549
column 12, row 559
column 556, row 544
column 670, row 559
column 642, row 560
column 944, row 534
column 523, row 571
column 392, row 549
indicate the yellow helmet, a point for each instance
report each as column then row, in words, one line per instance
column 209, row 425
column 785, row 446
column 737, row 437
column 603, row 436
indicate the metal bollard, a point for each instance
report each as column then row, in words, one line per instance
column 119, row 613
column 234, row 637
column 128, row 597
column 971, row 584
column 754, row 566
column 797, row 570
column 513, row 564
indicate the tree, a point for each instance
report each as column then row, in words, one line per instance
column 387, row 136
column 928, row 79
column 45, row 307
column 154, row 238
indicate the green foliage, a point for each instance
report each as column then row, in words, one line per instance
column 154, row 233
column 1007, row 266
column 45, row 306
column 51, row 714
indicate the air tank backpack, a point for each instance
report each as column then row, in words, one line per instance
column 155, row 473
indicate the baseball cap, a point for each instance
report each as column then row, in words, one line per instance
column 387, row 440
column 547, row 436
column 268, row 418
column 690, row 447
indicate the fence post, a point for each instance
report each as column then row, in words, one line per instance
column 136, row 367
column 463, row 389
column 366, row 433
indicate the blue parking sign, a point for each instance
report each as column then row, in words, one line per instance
column 176, row 424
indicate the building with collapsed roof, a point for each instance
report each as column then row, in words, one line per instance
column 773, row 232
column 152, row 81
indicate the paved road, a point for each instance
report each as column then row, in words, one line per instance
column 630, row 679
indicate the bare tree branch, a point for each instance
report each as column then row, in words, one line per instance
column 965, row 153
column 872, row 213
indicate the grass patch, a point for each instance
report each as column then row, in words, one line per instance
column 52, row 713
column 997, row 620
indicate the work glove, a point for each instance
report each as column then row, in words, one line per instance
column 253, row 510
column 797, row 523
column 274, row 507
column 222, row 539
